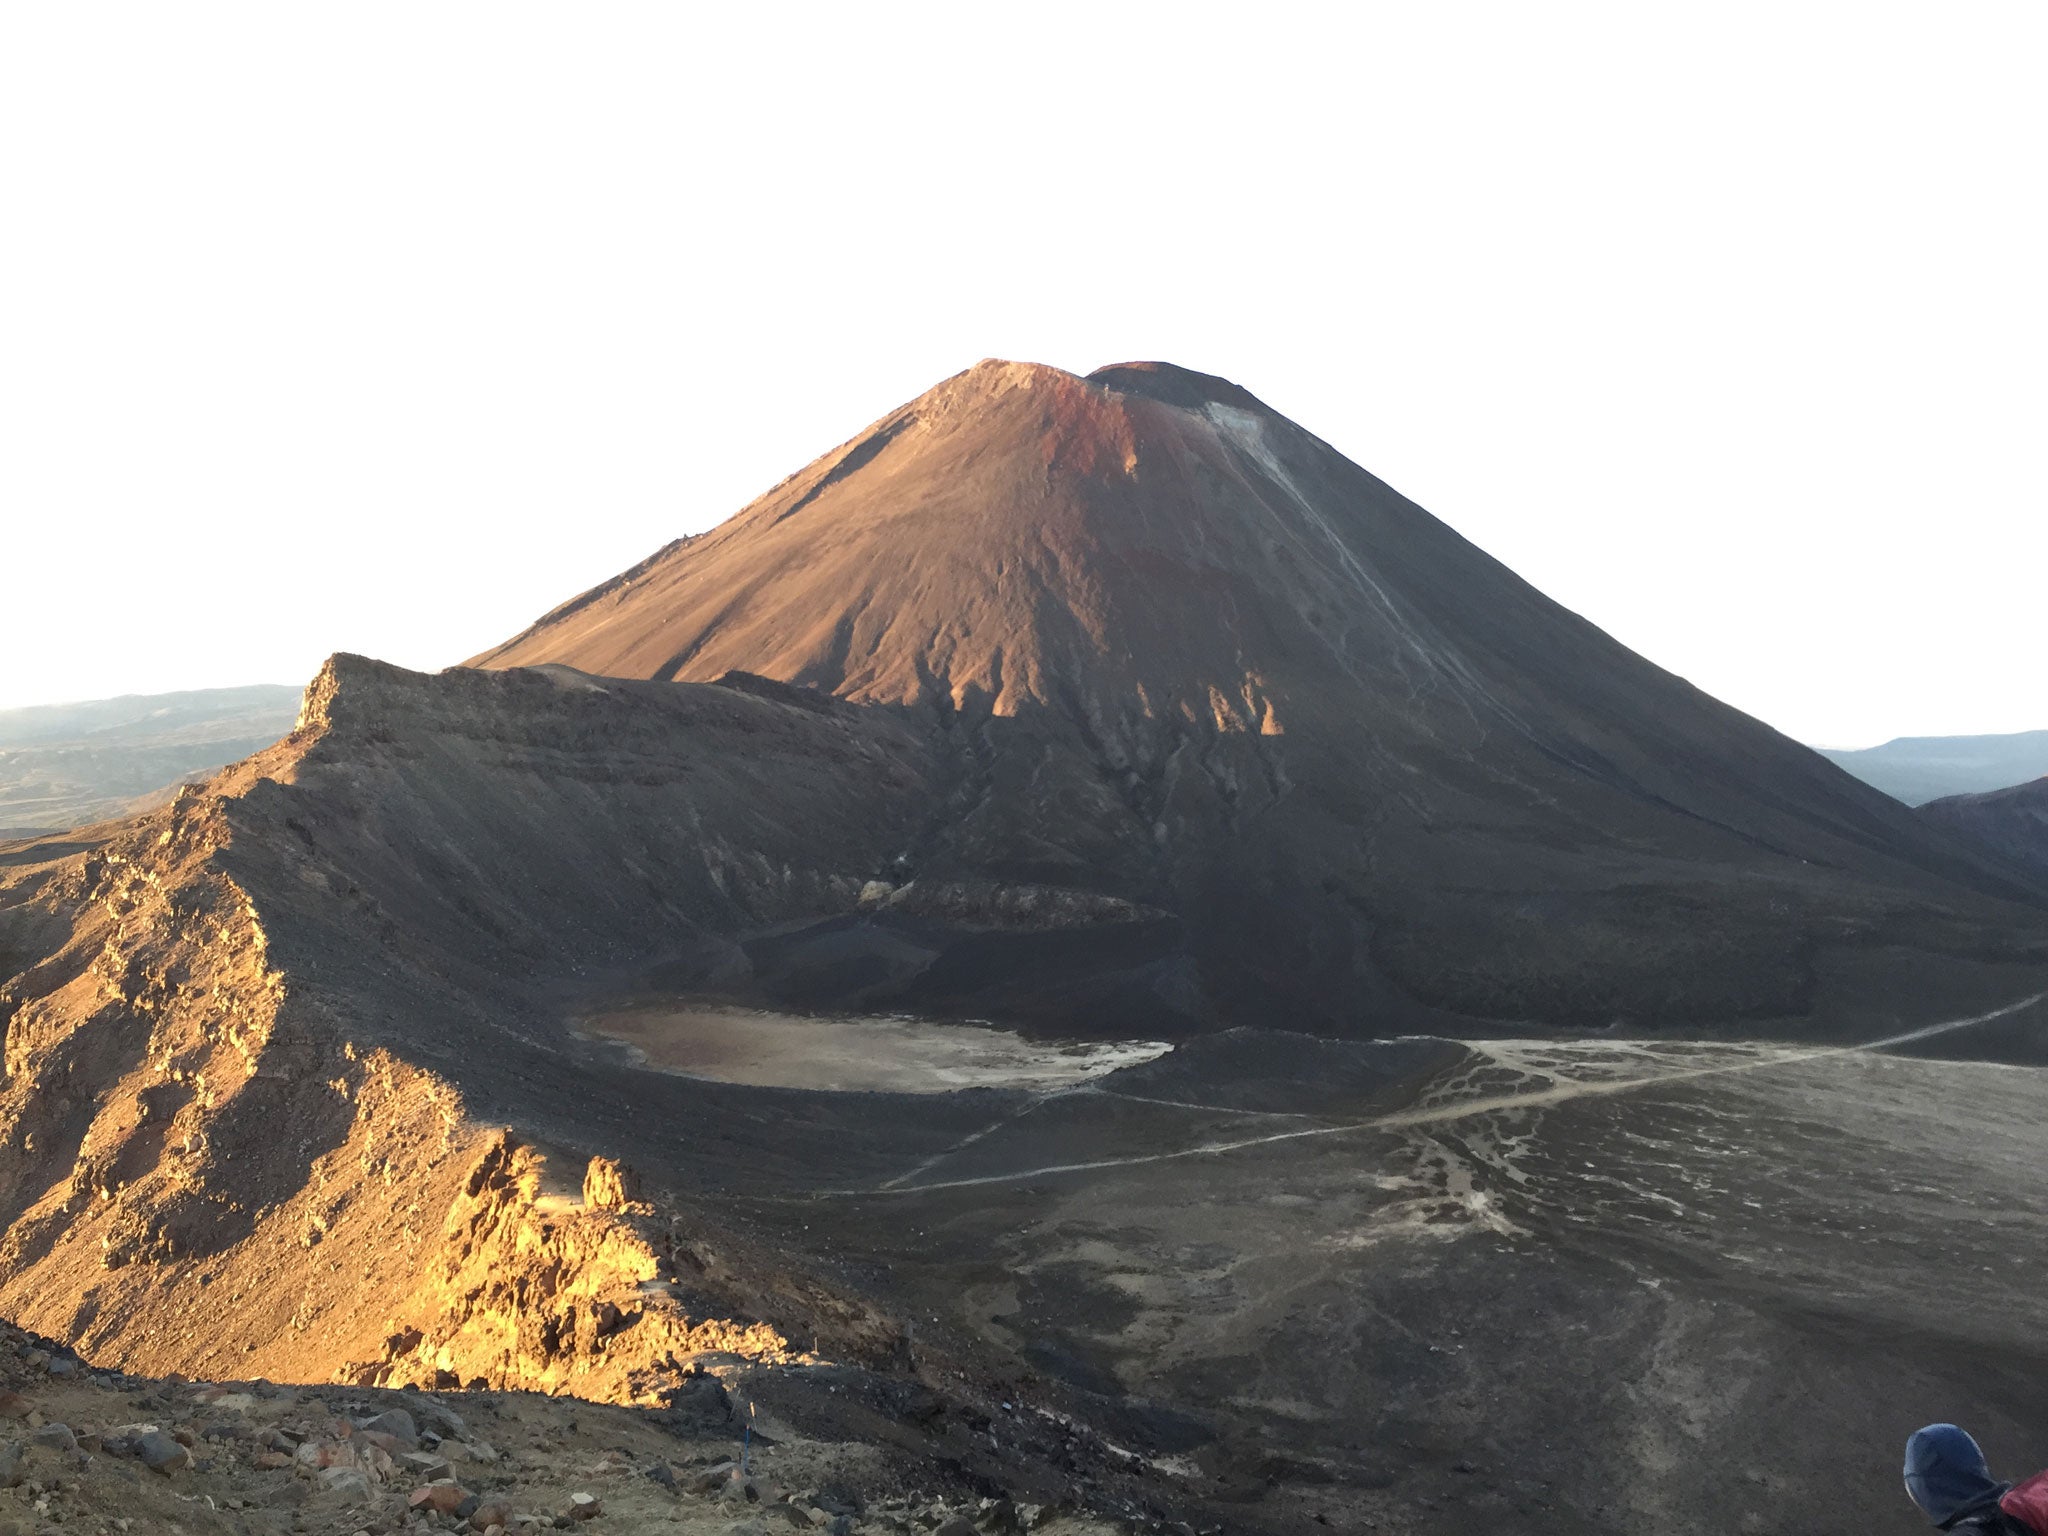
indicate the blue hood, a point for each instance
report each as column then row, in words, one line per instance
column 1946, row 1474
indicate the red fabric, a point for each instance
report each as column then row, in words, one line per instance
column 2028, row 1503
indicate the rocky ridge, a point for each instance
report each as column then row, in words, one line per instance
column 106, row 1452
column 276, row 1108
column 176, row 1027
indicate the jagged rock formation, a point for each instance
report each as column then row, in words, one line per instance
column 538, row 1295
column 609, row 1185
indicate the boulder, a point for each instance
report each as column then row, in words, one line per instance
column 54, row 1437
column 160, row 1453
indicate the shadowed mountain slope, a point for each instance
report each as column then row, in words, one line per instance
column 2012, row 823
column 1191, row 656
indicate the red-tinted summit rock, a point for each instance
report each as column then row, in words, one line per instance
column 1183, row 652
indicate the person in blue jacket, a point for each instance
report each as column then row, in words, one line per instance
column 1949, row 1479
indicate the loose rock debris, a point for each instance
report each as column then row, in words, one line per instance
column 83, row 1450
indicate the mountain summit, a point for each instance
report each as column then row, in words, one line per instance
column 1148, row 548
column 1188, row 654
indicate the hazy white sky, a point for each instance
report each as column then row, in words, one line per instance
column 385, row 327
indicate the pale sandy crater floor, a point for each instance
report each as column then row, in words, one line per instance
column 767, row 1049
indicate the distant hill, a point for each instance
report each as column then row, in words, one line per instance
column 2013, row 822
column 62, row 765
column 1917, row 769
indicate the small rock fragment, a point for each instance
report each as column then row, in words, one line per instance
column 441, row 1498
column 584, row 1506
column 712, row 1478
column 322, row 1455
column 424, row 1465
column 349, row 1482
column 288, row 1491
column 398, row 1424
column 440, row 1418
